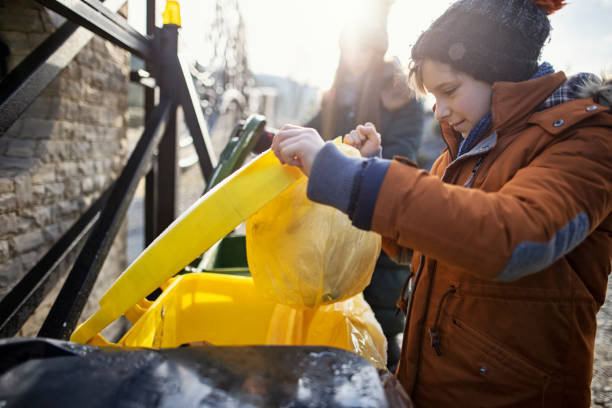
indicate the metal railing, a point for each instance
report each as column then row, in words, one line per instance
column 90, row 237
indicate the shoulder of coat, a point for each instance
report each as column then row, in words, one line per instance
column 559, row 118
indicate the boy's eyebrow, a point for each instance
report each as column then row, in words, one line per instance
column 443, row 85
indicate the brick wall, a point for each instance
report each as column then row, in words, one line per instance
column 63, row 151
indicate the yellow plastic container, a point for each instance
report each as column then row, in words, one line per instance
column 208, row 220
column 227, row 310
column 215, row 308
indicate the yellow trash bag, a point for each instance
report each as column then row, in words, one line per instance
column 303, row 254
column 349, row 325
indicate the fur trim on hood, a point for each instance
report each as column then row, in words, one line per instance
column 599, row 90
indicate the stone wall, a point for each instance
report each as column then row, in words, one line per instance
column 62, row 153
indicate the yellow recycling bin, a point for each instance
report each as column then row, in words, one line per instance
column 227, row 310
column 215, row 308
column 208, row 220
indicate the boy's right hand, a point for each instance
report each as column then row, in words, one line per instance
column 297, row 146
column 364, row 138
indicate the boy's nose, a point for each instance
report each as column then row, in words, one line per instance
column 441, row 112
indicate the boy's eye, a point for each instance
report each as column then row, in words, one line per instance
column 449, row 91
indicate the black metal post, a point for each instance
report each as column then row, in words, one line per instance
column 167, row 169
column 195, row 121
column 150, row 207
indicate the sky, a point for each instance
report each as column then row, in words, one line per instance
column 299, row 38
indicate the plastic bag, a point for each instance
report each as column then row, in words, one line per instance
column 349, row 325
column 304, row 254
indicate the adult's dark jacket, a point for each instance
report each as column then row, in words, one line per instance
column 400, row 123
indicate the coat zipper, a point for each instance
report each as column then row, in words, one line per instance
column 434, row 331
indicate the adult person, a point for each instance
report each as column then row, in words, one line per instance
column 369, row 88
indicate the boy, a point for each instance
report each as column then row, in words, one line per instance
column 510, row 230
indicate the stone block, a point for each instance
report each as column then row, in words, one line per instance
column 85, row 57
column 44, row 107
column 35, row 39
column 67, row 169
column 87, row 185
column 73, row 71
column 44, row 174
column 18, row 163
column 70, row 110
column 79, row 150
column 62, row 150
column 100, row 181
column 6, row 185
column 8, row 202
column 15, row 39
column 73, row 187
column 21, row 148
column 8, row 224
column 10, row 273
column 53, row 232
column 28, row 241
column 86, row 168
column 35, row 128
column 98, row 80
column 68, row 207
column 15, row 59
column 67, row 130
column 20, row 22
column 4, row 250
column 23, row 189
column 40, row 214
column 51, row 20
column 24, row 224
column 55, row 189
column 29, row 259
column 38, row 194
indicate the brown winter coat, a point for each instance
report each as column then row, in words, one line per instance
column 515, row 327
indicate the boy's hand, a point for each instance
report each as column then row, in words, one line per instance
column 365, row 139
column 297, row 146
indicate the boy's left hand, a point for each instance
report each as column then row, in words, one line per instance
column 297, row 146
column 364, row 138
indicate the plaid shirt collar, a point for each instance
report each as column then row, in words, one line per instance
column 568, row 91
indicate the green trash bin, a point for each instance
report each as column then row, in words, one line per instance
column 226, row 256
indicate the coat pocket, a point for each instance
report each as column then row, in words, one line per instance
column 475, row 368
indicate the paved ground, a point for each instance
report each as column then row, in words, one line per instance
column 601, row 387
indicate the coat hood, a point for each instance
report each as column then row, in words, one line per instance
column 599, row 90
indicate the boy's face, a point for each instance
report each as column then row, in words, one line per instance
column 460, row 99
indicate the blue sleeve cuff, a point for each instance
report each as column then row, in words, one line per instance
column 332, row 176
column 367, row 187
column 350, row 184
